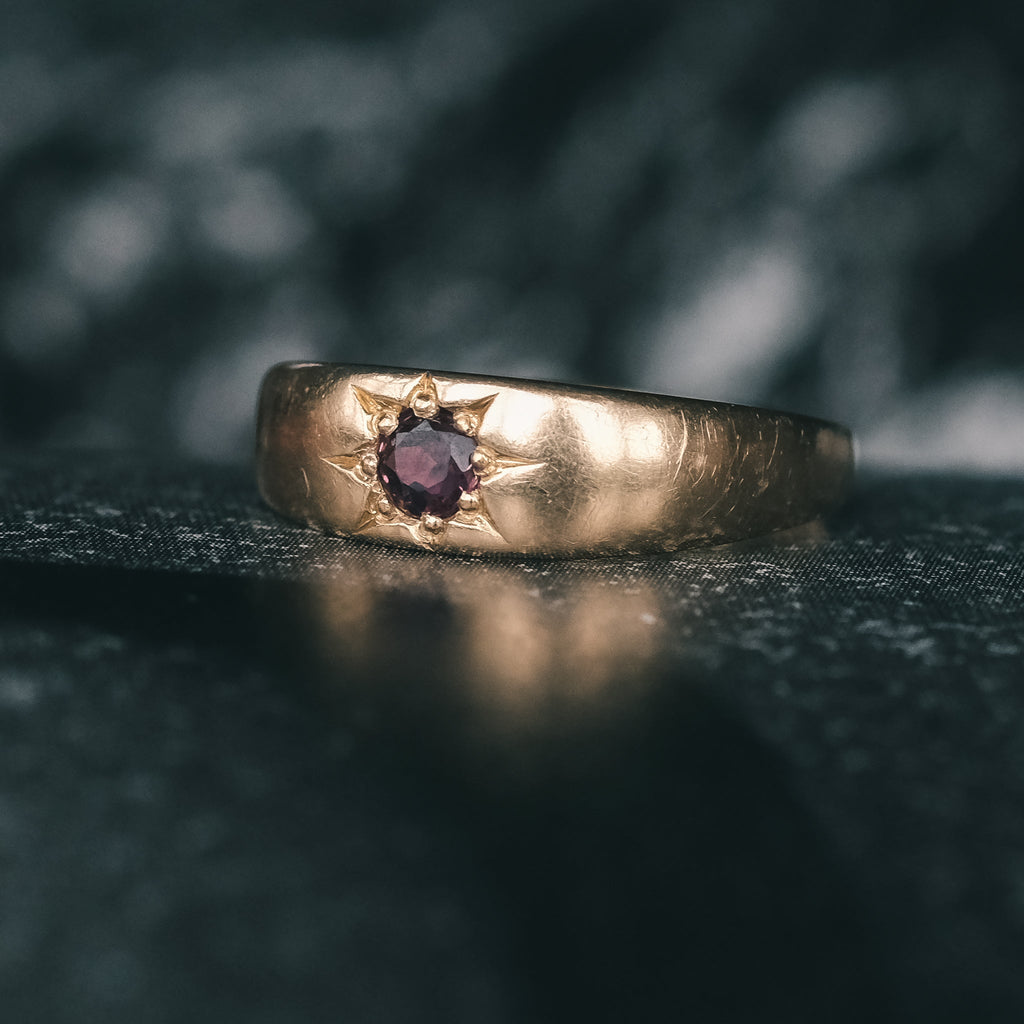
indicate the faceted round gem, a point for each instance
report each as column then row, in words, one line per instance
column 425, row 465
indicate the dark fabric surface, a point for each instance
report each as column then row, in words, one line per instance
column 248, row 773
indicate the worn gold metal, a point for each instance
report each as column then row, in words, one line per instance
column 563, row 470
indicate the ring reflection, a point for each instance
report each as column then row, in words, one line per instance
column 514, row 646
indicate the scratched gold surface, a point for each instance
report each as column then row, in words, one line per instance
column 606, row 471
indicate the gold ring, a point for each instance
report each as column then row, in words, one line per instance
column 491, row 465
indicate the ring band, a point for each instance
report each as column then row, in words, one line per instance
column 490, row 465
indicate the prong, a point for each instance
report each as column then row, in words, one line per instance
column 385, row 508
column 387, row 423
column 425, row 405
column 368, row 464
column 467, row 422
column 482, row 460
column 469, row 501
column 433, row 524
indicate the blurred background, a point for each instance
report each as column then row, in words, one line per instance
column 770, row 201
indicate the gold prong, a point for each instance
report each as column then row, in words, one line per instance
column 386, row 423
column 469, row 501
column 467, row 422
column 423, row 391
column 433, row 524
column 368, row 464
column 425, row 382
column 425, row 405
column 482, row 460
column 385, row 508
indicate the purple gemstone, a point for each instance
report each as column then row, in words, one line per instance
column 424, row 466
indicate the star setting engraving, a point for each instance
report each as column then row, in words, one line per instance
column 445, row 485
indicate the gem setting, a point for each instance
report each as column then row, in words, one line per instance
column 424, row 466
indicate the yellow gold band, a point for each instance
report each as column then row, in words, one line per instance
column 534, row 468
